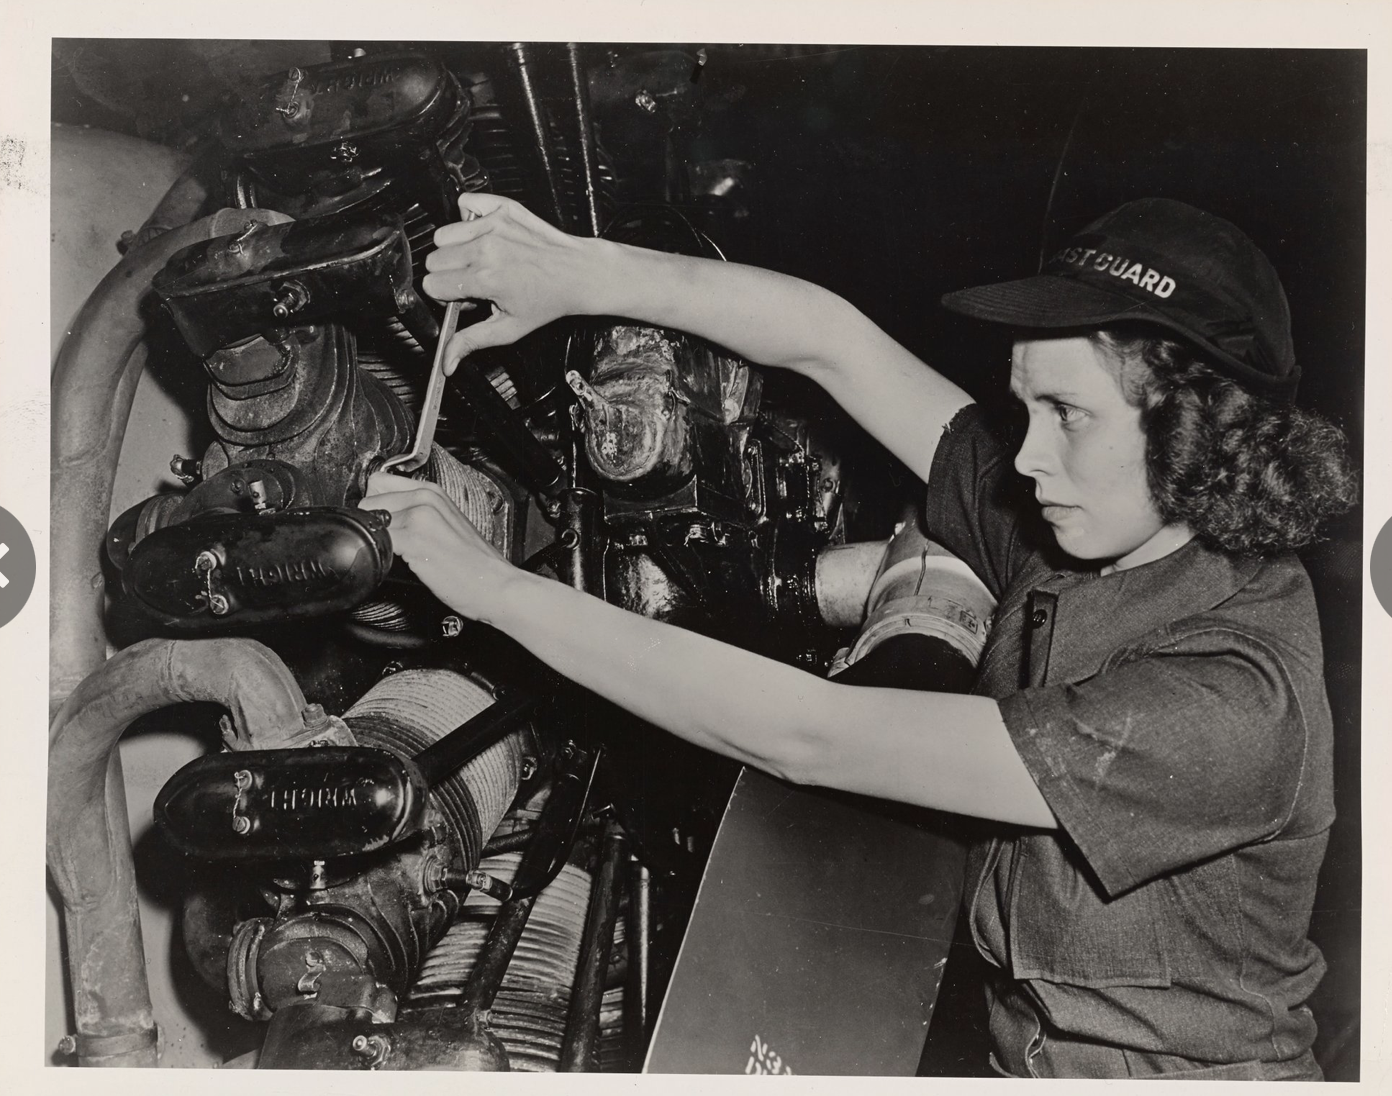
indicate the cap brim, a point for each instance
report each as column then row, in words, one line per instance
column 1048, row 302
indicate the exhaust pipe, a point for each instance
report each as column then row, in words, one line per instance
column 94, row 382
column 89, row 841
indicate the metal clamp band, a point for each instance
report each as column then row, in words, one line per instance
column 109, row 1046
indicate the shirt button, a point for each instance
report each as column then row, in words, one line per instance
column 1039, row 618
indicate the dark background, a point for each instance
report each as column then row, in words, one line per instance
column 894, row 174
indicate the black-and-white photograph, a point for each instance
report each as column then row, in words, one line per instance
column 706, row 557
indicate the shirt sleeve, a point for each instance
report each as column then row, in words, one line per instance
column 1167, row 759
column 978, row 505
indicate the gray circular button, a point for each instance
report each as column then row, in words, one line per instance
column 1380, row 567
column 16, row 566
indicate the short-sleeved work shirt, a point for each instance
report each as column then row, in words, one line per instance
column 1174, row 717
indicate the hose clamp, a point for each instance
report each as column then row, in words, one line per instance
column 91, row 1047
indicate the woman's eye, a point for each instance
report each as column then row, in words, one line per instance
column 1067, row 414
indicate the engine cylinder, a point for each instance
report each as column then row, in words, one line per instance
column 529, row 1012
column 407, row 711
column 374, row 922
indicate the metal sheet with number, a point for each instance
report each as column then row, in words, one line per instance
column 818, row 938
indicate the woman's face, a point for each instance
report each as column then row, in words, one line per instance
column 1085, row 452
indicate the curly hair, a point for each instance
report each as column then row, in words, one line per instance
column 1245, row 473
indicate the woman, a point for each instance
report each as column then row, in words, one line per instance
column 1149, row 723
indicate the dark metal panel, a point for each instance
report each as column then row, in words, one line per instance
column 817, row 942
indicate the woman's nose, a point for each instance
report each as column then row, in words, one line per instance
column 1033, row 457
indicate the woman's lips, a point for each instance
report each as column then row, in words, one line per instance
column 1054, row 511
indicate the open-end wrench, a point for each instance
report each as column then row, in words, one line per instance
column 419, row 453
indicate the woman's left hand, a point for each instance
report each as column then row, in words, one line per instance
column 441, row 545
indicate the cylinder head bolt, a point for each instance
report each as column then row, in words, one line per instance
column 323, row 729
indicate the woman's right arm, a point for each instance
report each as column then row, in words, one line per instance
column 534, row 273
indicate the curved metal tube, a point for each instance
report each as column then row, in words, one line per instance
column 922, row 589
column 186, row 197
column 93, row 386
column 89, row 842
column 844, row 575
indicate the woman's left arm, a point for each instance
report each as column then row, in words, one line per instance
column 941, row 750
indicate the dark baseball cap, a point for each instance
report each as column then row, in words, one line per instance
column 1165, row 263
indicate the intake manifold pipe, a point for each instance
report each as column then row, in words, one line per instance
column 94, row 382
column 89, row 842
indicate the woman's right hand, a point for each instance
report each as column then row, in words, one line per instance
column 441, row 545
column 501, row 252
column 534, row 273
